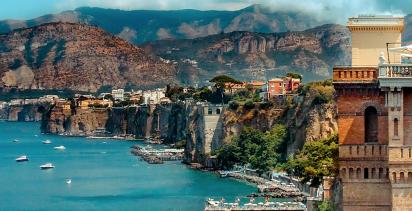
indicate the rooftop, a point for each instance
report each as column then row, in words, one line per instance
column 377, row 21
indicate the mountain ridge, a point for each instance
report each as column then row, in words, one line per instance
column 78, row 57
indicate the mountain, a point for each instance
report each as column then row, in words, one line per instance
column 257, row 56
column 138, row 26
column 78, row 57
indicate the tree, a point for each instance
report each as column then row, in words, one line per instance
column 294, row 75
column 221, row 79
column 259, row 149
column 316, row 160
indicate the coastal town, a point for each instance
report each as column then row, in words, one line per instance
column 250, row 109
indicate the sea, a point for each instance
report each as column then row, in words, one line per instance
column 104, row 176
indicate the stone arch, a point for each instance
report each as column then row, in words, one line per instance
column 218, row 111
column 371, row 124
column 371, row 104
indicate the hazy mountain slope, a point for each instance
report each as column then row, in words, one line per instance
column 246, row 54
column 145, row 25
column 77, row 57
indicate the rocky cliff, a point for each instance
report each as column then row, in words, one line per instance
column 257, row 56
column 23, row 113
column 77, row 57
column 203, row 128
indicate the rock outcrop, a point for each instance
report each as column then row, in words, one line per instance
column 77, row 57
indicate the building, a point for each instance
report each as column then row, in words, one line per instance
column 279, row 86
column 153, row 96
column 118, row 94
column 232, row 88
column 374, row 101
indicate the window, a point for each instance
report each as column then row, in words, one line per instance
column 394, row 177
column 218, row 111
column 209, row 111
column 366, row 173
column 401, row 177
column 395, row 126
column 371, row 124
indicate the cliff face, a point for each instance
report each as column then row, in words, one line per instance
column 76, row 122
column 305, row 119
column 77, row 57
column 138, row 121
column 23, row 113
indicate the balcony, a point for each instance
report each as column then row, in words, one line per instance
column 395, row 75
column 355, row 75
column 363, row 152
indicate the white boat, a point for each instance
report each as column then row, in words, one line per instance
column 16, row 140
column 47, row 142
column 22, row 158
column 47, row 166
column 68, row 181
column 60, row 148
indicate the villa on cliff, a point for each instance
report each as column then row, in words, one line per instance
column 374, row 101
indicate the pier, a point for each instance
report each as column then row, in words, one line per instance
column 157, row 156
column 212, row 205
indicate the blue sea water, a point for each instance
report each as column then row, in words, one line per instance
column 105, row 176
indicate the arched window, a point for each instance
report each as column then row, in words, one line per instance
column 394, row 177
column 401, row 177
column 366, row 173
column 371, row 124
column 351, row 173
column 358, row 173
column 218, row 111
column 409, row 177
column 380, row 173
column 343, row 173
column 395, row 126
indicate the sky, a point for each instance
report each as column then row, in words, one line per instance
column 324, row 9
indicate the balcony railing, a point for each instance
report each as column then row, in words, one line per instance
column 355, row 74
column 395, row 70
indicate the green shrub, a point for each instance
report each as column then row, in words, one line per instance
column 233, row 105
column 249, row 104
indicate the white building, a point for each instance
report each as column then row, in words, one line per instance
column 118, row 94
column 154, row 96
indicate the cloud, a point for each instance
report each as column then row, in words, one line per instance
column 196, row 30
column 163, row 33
column 128, row 34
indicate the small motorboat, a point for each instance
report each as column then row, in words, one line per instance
column 60, row 147
column 16, row 140
column 22, row 158
column 68, row 181
column 47, row 142
column 47, row 166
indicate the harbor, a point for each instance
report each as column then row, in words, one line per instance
column 157, row 156
column 213, row 205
